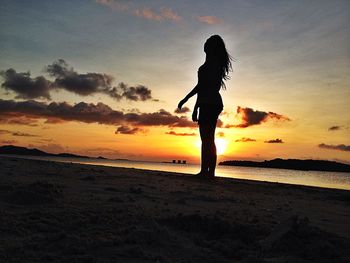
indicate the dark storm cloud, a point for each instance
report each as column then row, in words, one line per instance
column 244, row 139
column 251, row 117
column 88, row 113
column 82, row 84
column 133, row 93
column 180, row 133
column 339, row 147
column 123, row 129
column 65, row 77
column 24, row 86
column 182, row 110
column 87, row 84
column 274, row 141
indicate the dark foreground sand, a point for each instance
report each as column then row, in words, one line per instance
column 60, row 212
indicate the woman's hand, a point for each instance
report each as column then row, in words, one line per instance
column 181, row 103
column 195, row 115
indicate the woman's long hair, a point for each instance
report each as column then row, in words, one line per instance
column 215, row 46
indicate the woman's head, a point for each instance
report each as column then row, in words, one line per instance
column 215, row 47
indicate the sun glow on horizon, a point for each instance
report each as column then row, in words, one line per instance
column 221, row 145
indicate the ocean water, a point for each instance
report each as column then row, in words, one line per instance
column 311, row 178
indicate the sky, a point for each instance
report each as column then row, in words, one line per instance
column 104, row 77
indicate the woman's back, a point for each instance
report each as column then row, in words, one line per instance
column 209, row 81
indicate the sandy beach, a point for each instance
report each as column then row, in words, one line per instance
column 63, row 212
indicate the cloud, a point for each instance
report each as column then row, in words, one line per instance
column 5, row 131
column 339, row 147
column 182, row 110
column 87, row 84
column 123, row 129
column 274, row 141
column 168, row 14
column 24, row 86
column 135, row 93
column 251, row 117
column 82, row 84
column 18, row 120
column 89, row 113
column 335, row 128
column 180, row 134
column 115, row 5
column 245, row 139
column 219, row 123
column 209, row 20
column 160, row 118
column 66, row 78
column 8, row 142
column 17, row 133
column 162, row 14
column 23, row 134
column 220, row 134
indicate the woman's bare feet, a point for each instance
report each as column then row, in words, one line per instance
column 204, row 175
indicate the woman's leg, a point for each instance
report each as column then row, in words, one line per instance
column 212, row 149
column 208, row 153
column 203, row 131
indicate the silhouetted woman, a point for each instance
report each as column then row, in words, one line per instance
column 211, row 76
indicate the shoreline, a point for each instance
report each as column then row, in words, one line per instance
column 92, row 213
column 39, row 158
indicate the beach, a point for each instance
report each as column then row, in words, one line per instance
column 65, row 212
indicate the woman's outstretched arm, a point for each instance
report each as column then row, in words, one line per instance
column 193, row 92
column 195, row 111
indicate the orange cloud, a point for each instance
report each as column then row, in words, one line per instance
column 115, row 5
column 170, row 15
column 180, row 134
column 209, row 20
column 164, row 13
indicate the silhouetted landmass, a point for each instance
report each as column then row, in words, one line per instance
column 68, row 155
column 11, row 149
column 294, row 164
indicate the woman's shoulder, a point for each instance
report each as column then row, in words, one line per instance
column 202, row 67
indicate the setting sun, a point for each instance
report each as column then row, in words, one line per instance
column 221, row 145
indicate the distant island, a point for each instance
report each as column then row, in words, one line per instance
column 11, row 149
column 294, row 164
column 18, row 150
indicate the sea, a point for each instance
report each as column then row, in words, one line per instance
column 322, row 179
